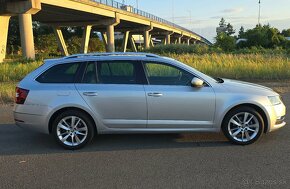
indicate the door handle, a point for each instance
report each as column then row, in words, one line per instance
column 90, row 94
column 155, row 94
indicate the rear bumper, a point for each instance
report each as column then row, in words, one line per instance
column 31, row 122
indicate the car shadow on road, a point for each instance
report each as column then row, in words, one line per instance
column 17, row 141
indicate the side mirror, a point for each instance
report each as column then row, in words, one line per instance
column 196, row 82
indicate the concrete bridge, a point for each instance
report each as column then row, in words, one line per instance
column 109, row 16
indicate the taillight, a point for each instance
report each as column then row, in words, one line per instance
column 21, row 95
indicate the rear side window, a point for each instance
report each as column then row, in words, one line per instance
column 62, row 73
column 120, row 72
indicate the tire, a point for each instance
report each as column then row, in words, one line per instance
column 73, row 136
column 243, row 125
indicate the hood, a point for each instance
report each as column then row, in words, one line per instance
column 246, row 87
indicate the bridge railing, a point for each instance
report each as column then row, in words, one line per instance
column 122, row 6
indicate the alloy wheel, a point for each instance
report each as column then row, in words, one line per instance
column 243, row 127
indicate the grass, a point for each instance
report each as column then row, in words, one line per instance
column 266, row 67
column 7, row 92
column 239, row 66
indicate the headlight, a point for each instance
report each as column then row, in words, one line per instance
column 275, row 100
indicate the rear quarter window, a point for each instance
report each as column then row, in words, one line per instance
column 62, row 73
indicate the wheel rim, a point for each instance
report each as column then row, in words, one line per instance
column 72, row 131
column 243, row 127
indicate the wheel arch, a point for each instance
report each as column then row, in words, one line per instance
column 260, row 110
column 61, row 110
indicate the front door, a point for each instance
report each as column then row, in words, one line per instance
column 172, row 102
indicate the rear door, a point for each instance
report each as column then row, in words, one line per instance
column 115, row 91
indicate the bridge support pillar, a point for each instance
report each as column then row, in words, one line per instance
column 132, row 42
column 188, row 41
column 168, row 38
column 111, row 38
column 151, row 41
column 26, row 35
column 60, row 40
column 4, row 23
column 146, row 39
column 104, row 38
column 86, row 39
column 125, row 41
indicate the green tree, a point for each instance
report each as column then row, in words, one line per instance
column 286, row 32
column 263, row 36
column 230, row 29
column 241, row 32
column 225, row 42
column 225, row 28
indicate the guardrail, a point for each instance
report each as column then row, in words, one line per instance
column 128, row 8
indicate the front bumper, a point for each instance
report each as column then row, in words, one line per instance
column 276, row 117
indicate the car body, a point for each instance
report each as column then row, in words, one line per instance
column 141, row 93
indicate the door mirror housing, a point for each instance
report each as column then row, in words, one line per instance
column 196, row 82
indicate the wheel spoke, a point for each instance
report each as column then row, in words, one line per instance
column 242, row 136
column 77, row 123
column 247, row 135
column 73, row 120
column 249, row 129
column 72, row 140
column 82, row 129
column 249, row 119
column 246, row 114
column 240, row 122
column 254, row 126
column 79, row 133
column 64, row 138
column 77, row 139
column 235, row 122
column 63, row 127
column 65, row 123
column 237, row 132
column 234, row 129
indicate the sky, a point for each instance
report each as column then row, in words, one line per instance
column 203, row 16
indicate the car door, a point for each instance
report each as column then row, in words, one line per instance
column 114, row 90
column 173, row 102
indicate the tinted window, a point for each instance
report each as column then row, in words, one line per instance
column 119, row 72
column 90, row 74
column 62, row 73
column 161, row 74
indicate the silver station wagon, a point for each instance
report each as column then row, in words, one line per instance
column 76, row 97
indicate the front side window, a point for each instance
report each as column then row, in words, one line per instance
column 162, row 74
column 62, row 73
column 119, row 72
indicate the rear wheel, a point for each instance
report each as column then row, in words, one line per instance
column 243, row 125
column 73, row 129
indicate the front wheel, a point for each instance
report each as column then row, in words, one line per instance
column 73, row 129
column 243, row 125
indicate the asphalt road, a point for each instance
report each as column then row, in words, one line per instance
column 32, row 160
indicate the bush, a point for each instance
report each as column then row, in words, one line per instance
column 179, row 49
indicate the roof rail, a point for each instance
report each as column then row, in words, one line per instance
column 112, row 54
